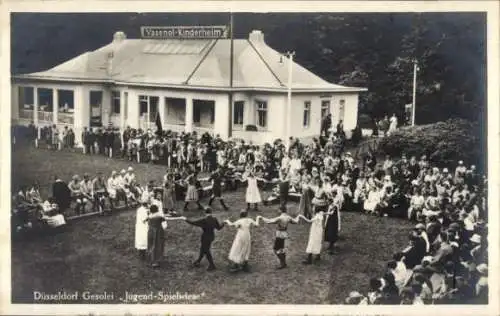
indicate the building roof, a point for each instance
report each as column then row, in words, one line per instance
column 189, row 64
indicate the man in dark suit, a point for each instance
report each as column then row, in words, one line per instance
column 61, row 194
column 101, row 139
column 209, row 224
column 86, row 140
column 126, row 137
column 326, row 124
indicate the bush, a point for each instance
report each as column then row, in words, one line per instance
column 365, row 121
column 444, row 143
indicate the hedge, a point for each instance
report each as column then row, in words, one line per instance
column 444, row 143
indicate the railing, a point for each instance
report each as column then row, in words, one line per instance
column 45, row 116
column 26, row 114
column 65, row 118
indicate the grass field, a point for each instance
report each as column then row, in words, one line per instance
column 96, row 254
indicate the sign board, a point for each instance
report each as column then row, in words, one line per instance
column 184, row 32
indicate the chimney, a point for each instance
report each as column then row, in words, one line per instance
column 119, row 37
column 256, row 37
column 109, row 63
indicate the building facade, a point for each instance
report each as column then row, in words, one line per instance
column 130, row 82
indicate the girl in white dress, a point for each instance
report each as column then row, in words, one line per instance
column 253, row 194
column 315, row 236
column 240, row 250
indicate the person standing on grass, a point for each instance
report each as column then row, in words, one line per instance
column 315, row 241
column 281, row 222
column 240, row 250
column 208, row 224
column 192, row 194
column 169, row 197
column 332, row 226
column 216, row 179
column 141, row 229
column 252, row 195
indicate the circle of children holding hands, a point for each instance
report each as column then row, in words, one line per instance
column 446, row 259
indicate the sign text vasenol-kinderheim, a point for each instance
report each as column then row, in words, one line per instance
column 183, row 32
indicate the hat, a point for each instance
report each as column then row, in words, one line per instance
column 123, row 171
column 387, row 178
column 144, row 200
column 427, row 259
column 454, row 226
column 355, row 294
column 75, row 177
column 420, row 226
column 461, row 162
column 348, row 153
column 414, row 182
column 445, row 170
column 113, row 173
column 475, row 239
column 482, row 268
column 130, row 169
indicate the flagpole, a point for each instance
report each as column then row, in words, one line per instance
column 231, row 45
column 415, row 69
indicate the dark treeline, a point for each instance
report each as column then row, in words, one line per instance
column 368, row 50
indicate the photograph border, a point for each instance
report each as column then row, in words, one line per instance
column 493, row 141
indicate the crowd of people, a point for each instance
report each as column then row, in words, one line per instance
column 445, row 261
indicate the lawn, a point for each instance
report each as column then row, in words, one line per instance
column 96, row 254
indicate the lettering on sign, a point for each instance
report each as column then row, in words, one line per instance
column 183, row 32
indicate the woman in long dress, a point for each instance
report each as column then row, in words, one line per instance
column 192, row 192
column 168, row 194
column 315, row 236
column 305, row 206
column 157, row 223
column 252, row 195
column 240, row 250
column 332, row 226
column 141, row 229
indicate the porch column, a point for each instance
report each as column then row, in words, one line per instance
column 35, row 110
column 122, row 110
column 148, row 114
column 55, row 105
column 221, row 124
column 80, row 119
column 189, row 115
column 161, row 110
column 133, row 109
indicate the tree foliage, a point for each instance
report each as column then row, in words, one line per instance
column 444, row 143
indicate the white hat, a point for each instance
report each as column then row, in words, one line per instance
column 123, row 171
column 130, row 169
column 414, row 182
column 348, row 153
column 482, row 268
column 427, row 259
column 476, row 239
column 387, row 178
column 420, row 226
column 445, row 170
column 461, row 162
column 113, row 173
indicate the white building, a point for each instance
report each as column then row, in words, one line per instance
column 129, row 81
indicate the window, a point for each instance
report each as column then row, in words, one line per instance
column 125, row 104
column 153, row 108
column 325, row 108
column 143, row 104
column 26, row 101
column 307, row 114
column 95, row 100
column 261, row 113
column 239, row 107
column 212, row 115
column 341, row 109
column 115, row 102
column 66, row 101
column 45, row 100
column 196, row 114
